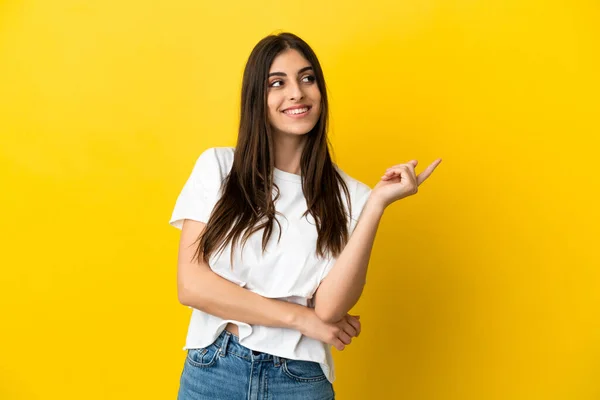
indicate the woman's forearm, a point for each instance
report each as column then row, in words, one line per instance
column 342, row 287
column 215, row 295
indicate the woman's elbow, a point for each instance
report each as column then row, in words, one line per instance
column 182, row 295
column 329, row 315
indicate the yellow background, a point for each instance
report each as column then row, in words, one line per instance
column 485, row 285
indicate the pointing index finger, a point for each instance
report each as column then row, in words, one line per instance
column 428, row 171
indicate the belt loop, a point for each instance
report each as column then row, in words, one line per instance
column 223, row 349
column 277, row 360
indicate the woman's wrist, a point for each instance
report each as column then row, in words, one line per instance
column 297, row 317
column 375, row 205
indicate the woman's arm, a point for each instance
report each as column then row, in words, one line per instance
column 199, row 287
column 215, row 295
column 342, row 287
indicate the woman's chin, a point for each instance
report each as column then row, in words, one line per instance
column 296, row 131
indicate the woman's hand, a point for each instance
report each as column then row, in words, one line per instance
column 338, row 334
column 401, row 181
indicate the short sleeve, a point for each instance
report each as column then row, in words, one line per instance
column 358, row 204
column 359, row 197
column 196, row 199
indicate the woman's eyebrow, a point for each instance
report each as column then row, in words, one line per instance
column 301, row 70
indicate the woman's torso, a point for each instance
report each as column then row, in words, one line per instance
column 288, row 270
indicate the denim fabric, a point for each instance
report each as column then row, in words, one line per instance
column 227, row 370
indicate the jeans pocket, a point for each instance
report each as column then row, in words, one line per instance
column 303, row 371
column 203, row 357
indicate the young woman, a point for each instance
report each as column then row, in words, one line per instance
column 272, row 255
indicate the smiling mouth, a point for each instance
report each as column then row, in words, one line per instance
column 297, row 111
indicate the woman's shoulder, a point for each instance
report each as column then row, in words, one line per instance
column 222, row 156
column 216, row 160
column 212, row 166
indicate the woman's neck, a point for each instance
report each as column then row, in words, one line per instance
column 288, row 152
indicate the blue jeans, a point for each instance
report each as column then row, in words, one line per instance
column 227, row 370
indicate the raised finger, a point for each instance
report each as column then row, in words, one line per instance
column 428, row 171
column 412, row 162
column 397, row 171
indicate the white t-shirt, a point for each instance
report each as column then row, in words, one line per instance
column 289, row 270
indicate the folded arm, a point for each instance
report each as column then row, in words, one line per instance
column 199, row 287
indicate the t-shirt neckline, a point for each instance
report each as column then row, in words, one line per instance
column 287, row 176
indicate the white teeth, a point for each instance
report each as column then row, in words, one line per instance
column 297, row 111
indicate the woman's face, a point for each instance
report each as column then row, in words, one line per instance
column 293, row 98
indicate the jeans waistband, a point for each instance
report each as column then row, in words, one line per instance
column 227, row 342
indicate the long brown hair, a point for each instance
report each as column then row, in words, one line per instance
column 247, row 204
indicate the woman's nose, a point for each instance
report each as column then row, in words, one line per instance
column 295, row 92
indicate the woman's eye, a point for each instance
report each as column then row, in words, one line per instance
column 310, row 78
